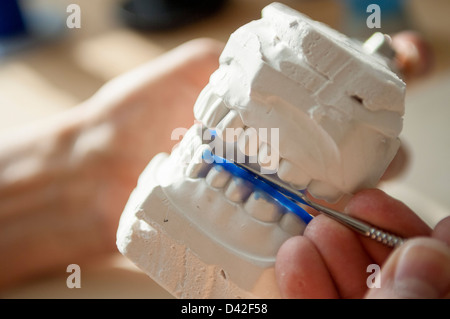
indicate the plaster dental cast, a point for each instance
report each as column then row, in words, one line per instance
column 202, row 231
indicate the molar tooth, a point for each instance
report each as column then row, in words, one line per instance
column 292, row 224
column 238, row 190
column 231, row 127
column 268, row 159
column 217, row 177
column 322, row 190
column 292, row 174
column 198, row 167
column 261, row 207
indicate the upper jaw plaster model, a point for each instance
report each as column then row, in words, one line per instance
column 326, row 116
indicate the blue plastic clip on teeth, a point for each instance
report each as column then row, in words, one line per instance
column 263, row 185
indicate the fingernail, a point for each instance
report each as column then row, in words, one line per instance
column 423, row 270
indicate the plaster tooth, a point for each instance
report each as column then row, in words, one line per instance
column 292, row 224
column 209, row 108
column 262, row 207
column 191, row 141
column 230, row 127
column 293, row 175
column 198, row 167
column 217, row 177
column 202, row 102
column 322, row 190
column 238, row 190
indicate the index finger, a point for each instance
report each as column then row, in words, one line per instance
column 387, row 213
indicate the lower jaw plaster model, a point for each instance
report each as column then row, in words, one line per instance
column 301, row 101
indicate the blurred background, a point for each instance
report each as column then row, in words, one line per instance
column 47, row 67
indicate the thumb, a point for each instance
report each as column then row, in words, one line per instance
column 419, row 269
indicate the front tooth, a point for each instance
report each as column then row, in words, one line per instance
column 217, row 177
column 322, row 190
column 268, row 159
column 261, row 207
column 231, row 127
column 292, row 224
column 215, row 111
column 238, row 190
column 189, row 144
column 198, row 167
column 209, row 108
column 201, row 104
column 292, row 174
